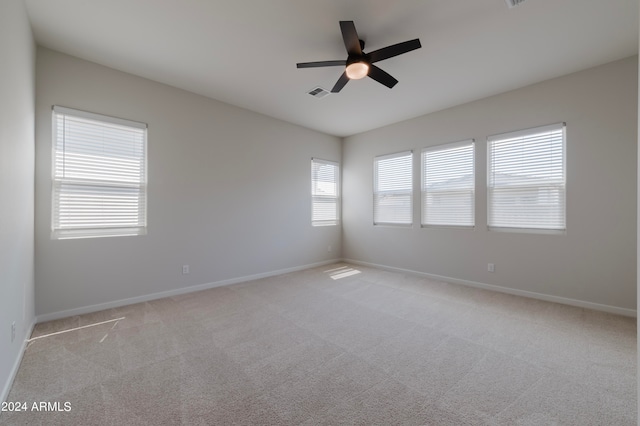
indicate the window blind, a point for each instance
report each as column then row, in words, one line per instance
column 448, row 185
column 526, row 179
column 393, row 189
column 99, row 175
column 325, row 183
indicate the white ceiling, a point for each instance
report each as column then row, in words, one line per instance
column 244, row 52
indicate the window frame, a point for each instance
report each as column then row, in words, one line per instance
column 561, row 230
column 424, row 192
column 376, row 191
column 59, row 232
column 336, row 197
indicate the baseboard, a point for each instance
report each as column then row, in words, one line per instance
column 176, row 292
column 516, row 292
column 16, row 365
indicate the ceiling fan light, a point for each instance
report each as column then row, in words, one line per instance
column 357, row 70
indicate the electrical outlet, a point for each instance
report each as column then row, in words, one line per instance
column 13, row 331
column 328, row 248
column 491, row 267
column 185, row 269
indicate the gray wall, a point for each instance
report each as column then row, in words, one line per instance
column 17, row 97
column 229, row 192
column 594, row 262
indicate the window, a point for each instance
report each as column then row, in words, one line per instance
column 526, row 179
column 99, row 175
column 393, row 189
column 448, row 185
column 325, row 182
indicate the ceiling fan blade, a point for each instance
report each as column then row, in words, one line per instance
column 350, row 37
column 321, row 64
column 382, row 76
column 394, row 50
column 341, row 82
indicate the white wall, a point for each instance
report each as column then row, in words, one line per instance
column 17, row 97
column 594, row 262
column 229, row 192
column 638, row 238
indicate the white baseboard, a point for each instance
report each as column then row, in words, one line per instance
column 16, row 365
column 516, row 292
column 145, row 298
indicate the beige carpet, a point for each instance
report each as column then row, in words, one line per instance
column 334, row 345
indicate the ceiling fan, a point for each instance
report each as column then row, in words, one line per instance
column 360, row 64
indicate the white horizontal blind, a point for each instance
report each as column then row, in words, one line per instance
column 99, row 175
column 448, row 185
column 325, row 184
column 526, row 179
column 393, row 189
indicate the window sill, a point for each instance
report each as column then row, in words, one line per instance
column 528, row 230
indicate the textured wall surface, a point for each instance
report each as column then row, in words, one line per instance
column 595, row 261
column 228, row 192
column 17, row 98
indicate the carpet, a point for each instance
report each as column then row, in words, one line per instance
column 339, row 344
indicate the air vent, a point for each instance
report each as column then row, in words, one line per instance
column 318, row 92
column 514, row 3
